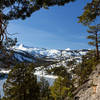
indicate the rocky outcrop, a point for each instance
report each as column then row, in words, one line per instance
column 91, row 89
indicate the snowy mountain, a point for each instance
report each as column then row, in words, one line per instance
column 31, row 54
column 24, row 53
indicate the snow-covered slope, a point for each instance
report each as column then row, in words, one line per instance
column 30, row 54
column 2, row 81
column 37, row 52
column 22, row 50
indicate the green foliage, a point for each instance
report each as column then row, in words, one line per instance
column 6, row 53
column 91, row 11
column 24, row 8
column 44, row 90
column 21, row 9
column 60, row 90
column 71, row 63
column 9, row 42
column 63, row 85
column 2, row 75
column 84, row 69
column 94, row 34
column 21, row 84
column 59, row 71
column 95, row 37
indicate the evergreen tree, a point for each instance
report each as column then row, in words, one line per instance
column 6, row 53
column 9, row 42
column 85, row 68
column 91, row 12
column 59, row 71
column 94, row 32
column 21, row 84
column 15, row 9
column 59, row 90
column 44, row 89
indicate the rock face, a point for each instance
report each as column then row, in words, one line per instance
column 91, row 89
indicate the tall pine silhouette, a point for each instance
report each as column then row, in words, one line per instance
column 21, row 84
column 94, row 32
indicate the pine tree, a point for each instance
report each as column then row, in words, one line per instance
column 91, row 12
column 15, row 9
column 59, row 71
column 44, row 89
column 9, row 43
column 6, row 53
column 59, row 90
column 21, row 84
column 94, row 32
column 85, row 67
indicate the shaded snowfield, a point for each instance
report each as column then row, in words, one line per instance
column 1, row 86
column 2, row 81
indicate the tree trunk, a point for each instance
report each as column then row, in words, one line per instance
column 97, row 47
column 0, row 30
column 3, row 27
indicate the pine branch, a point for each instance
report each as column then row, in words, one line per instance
column 92, row 37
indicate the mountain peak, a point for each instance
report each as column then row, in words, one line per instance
column 21, row 45
column 67, row 49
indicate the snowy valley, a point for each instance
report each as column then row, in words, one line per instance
column 58, row 57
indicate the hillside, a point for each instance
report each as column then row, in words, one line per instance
column 27, row 54
column 51, row 57
column 91, row 89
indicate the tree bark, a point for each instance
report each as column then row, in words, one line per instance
column 97, row 47
column 3, row 27
column 0, row 30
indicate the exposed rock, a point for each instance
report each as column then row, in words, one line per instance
column 91, row 89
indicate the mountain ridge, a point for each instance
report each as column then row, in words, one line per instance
column 51, row 53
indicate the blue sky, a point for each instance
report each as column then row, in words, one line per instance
column 55, row 28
